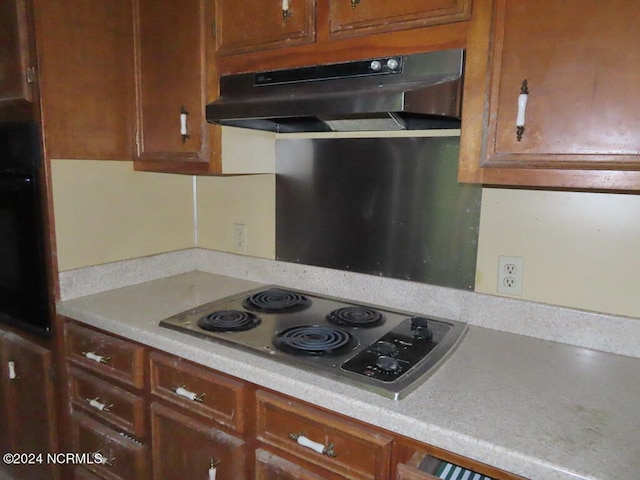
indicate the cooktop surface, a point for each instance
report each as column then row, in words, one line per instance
column 389, row 352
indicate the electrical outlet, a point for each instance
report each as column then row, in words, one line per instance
column 510, row 275
column 239, row 237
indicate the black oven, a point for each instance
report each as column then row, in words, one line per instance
column 24, row 299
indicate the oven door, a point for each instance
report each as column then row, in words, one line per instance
column 23, row 281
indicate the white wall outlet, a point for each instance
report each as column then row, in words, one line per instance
column 239, row 237
column 510, row 275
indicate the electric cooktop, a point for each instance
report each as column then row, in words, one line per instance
column 385, row 351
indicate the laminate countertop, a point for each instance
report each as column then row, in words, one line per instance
column 537, row 408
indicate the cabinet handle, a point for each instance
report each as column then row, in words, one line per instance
column 98, row 405
column 315, row 446
column 286, row 11
column 213, row 464
column 104, row 460
column 183, row 392
column 184, row 128
column 522, row 109
column 96, row 358
column 12, row 370
column 354, row 4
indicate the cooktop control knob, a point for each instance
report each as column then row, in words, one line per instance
column 384, row 348
column 388, row 364
column 393, row 64
column 421, row 330
column 376, row 65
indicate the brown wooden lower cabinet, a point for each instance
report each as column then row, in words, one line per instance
column 27, row 406
column 187, row 448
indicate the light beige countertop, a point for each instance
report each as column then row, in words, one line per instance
column 537, row 408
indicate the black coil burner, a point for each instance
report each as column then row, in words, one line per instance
column 356, row 317
column 314, row 340
column 229, row 321
column 275, row 300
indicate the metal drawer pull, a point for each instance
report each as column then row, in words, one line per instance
column 354, row 4
column 96, row 358
column 95, row 403
column 213, row 463
column 522, row 109
column 315, row 446
column 183, row 392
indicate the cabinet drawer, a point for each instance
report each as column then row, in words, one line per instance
column 107, row 355
column 351, row 450
column 199, row 390
column 114, row 405
column 126, row 458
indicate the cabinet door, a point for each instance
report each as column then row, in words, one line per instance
column 28, row 398
column 186, row 448
column 350, row 17
column 14, row 52
column 85, row 50
column 579, row 59
column 171, row 48
column 255, row 25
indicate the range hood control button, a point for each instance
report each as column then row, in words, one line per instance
column 376, row 65
column 392, row 64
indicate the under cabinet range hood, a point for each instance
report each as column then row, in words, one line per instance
column 418, row 91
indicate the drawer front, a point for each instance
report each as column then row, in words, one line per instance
column 126, row 458
column 114, row 405
column 107, row 355
column 351, row 450
column 199, row 390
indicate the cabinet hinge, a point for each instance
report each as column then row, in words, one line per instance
column 31, row 74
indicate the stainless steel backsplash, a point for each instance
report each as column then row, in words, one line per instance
column 383, row 206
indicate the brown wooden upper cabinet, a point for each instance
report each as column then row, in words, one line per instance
column 85, row 63
column 551, row 94
column 359, row 17
column 252, row 25
column 174, row 81
column 16, row 69
column 255, row 25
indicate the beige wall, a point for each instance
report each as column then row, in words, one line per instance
column 105, row 211
column 245, row 199
column 580, row 249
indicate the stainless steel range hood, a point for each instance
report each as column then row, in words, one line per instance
column 387, row 93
